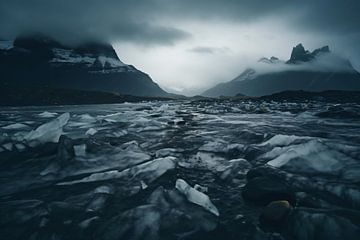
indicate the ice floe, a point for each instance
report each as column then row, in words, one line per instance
column 236, row 168
column 100, row 197
column 47, row 114
column 80, row 150
column 15, row 126
column 147, row 172
column 221, row 147
column 309, row 157
column 8, row 146
column 283, row 140
column 48, row 132
column 91, row 131
column 166, row 152
column 196, row 196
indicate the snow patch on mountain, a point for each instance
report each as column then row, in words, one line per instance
column 112, row 62
column 69, row 56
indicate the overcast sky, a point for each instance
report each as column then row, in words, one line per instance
column 190, row 45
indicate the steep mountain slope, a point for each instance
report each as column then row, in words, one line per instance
column 319, row 70
column 38, row 61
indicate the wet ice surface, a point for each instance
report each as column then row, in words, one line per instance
column 177, row 170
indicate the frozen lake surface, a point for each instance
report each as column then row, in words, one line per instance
column 180, row 170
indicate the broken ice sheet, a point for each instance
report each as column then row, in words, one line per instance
column 196, row 196
column 148, row 172
column 48, row 132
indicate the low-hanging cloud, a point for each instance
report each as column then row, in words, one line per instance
column 326, row 62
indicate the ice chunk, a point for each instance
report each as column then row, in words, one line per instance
column 15, row 126
column 142, row 222
column 166, row 152
column 8, row 146
column 195, row 196
column 100, row 198
column 91, row 131
column 221, row 147
column 87, row 222
column 283, row 140
column 48, row 132
column 200, row 188
column 132, row 145
column 148, row 171
column 47, row 114
column 310, row 224
column 80, row 150
column 236, row 168
column 309, row 157
column 105, row 189
column 120, row 133
column 20, row 147
column 143, row 185
column 163, row 107
column 164, row 211
column 87, row 118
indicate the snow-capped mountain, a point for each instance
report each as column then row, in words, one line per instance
column 39, row 61
column 318, row 70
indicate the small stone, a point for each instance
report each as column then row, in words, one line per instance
column 275, row 213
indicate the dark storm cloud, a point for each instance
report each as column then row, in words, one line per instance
column 144, row 21
column 80, row 19
column 321, row 15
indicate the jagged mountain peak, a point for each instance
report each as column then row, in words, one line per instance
column 318, row 70
column 299, row 54
column 270, row 60
column 324, row 49
column 247, row 74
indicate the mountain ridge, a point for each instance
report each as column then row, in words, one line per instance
column 39, row 61
column 319, row 70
